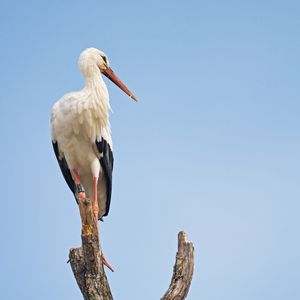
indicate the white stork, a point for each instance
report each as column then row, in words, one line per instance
column 81, row 133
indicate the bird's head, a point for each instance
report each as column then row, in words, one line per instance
column 92, row 60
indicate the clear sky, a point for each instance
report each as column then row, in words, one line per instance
column 212, row 148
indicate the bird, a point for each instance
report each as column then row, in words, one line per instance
column 81, row 133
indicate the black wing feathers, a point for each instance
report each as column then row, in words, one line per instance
column 64, row 169
column 107, row 164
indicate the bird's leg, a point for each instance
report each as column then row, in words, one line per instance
column 96, row 208
column 81, row 195
column 79, row 188
column 96, row 214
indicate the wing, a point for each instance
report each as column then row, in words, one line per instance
column 107, row 164
column 64, row 169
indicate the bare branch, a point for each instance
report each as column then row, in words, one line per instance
column 86, row 261
column 182, row 271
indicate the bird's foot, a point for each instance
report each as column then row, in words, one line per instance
column 104, row 262
column 96, row 213
column 81, row 196
column 87, row 230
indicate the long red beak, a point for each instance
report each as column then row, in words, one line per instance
column 109, row 73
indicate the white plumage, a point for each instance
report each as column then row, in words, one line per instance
column 81, row 119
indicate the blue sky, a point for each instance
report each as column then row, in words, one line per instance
column 212, row 148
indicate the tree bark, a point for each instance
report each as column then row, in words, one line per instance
column 86, row 261
column 87, row 267
column 183, row 270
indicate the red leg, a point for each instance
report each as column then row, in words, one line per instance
column 96, row 214
column 96, row 208
column 76, row 178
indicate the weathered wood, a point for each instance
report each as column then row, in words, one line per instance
column 182, row 271
column 86, row 261
column 88, row 269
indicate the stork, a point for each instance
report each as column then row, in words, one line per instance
column 81, row 134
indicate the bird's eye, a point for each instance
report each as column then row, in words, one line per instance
column 104, row 58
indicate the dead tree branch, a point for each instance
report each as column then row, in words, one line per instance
column 86, row 261
column 182, row 271
column 89, row 273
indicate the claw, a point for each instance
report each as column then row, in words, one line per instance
column 104, row 261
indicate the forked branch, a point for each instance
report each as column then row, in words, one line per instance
column 89, row 273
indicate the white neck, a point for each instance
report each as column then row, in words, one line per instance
column 94, row 80
column 96, row 87
column 97, row 94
